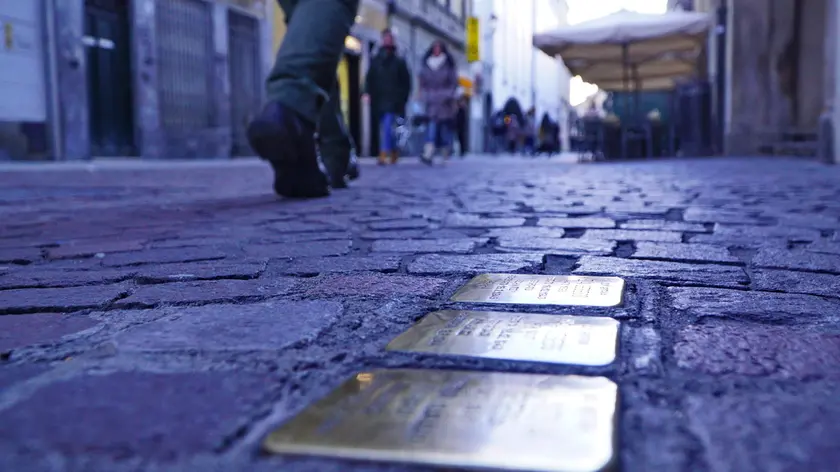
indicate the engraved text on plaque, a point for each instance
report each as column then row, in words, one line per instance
column 530, row 289
column 460, row 419
column 581, row 340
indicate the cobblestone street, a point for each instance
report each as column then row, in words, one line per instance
column 167, row 317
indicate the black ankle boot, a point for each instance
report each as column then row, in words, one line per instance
column 287, row 141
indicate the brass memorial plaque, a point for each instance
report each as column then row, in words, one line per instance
column 527, row 289
column 460, row 419
column 582, row 340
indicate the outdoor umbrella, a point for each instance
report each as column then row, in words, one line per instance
column 656, row 74
column 645, row 50
column 627, row 36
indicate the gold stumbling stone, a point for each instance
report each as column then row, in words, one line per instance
column 581, row 340
column 460, row 419
column 529, row 289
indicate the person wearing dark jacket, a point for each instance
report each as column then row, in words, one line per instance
column 438, row 89
column 387, row 88
column 498, row 127
column 548, row 136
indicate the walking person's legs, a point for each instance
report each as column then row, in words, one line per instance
column 297, row 88
column 334, row 141
column 353, row 170
column 386, row 137
column 395, row 143
column 499, row 144
column 446, row 138
column 431, row 139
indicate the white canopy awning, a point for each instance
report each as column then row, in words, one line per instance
column 659, row 74
column 642, row 84
column 655, row 48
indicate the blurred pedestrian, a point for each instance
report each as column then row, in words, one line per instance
column 461, row 124
column 438, row 89
column 529, row 132
column 498, row 127
column 298, row 89
column 592, row 111
column 549, row 136
column 513, row 133
column 387, row 89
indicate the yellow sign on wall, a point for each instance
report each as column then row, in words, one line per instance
column 472, row 39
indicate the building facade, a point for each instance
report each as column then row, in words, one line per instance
column 552, row 80
column 511, row 67
column 771, row 64
column 152, row 78
column 25, row 113
column 173, row 79
column 121, row 78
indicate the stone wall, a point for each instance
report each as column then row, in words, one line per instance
column 830, row 52
column 72, row 86
column 830, row 122
column 147, row 130
column 812, row 70
column 778, row 56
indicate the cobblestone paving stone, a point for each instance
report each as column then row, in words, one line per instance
column 166, row 317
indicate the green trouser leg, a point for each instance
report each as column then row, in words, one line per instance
column 304, row 71
column 334, row 141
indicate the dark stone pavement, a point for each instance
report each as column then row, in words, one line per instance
column 165, row 317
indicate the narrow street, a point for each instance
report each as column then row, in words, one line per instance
column 169, row 317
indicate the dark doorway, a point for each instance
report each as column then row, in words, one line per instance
column 109, row 81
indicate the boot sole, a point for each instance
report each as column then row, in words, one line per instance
column 271, row 143
column 267, row 140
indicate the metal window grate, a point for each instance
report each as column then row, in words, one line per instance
column 185, row 63
column 245, row 76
